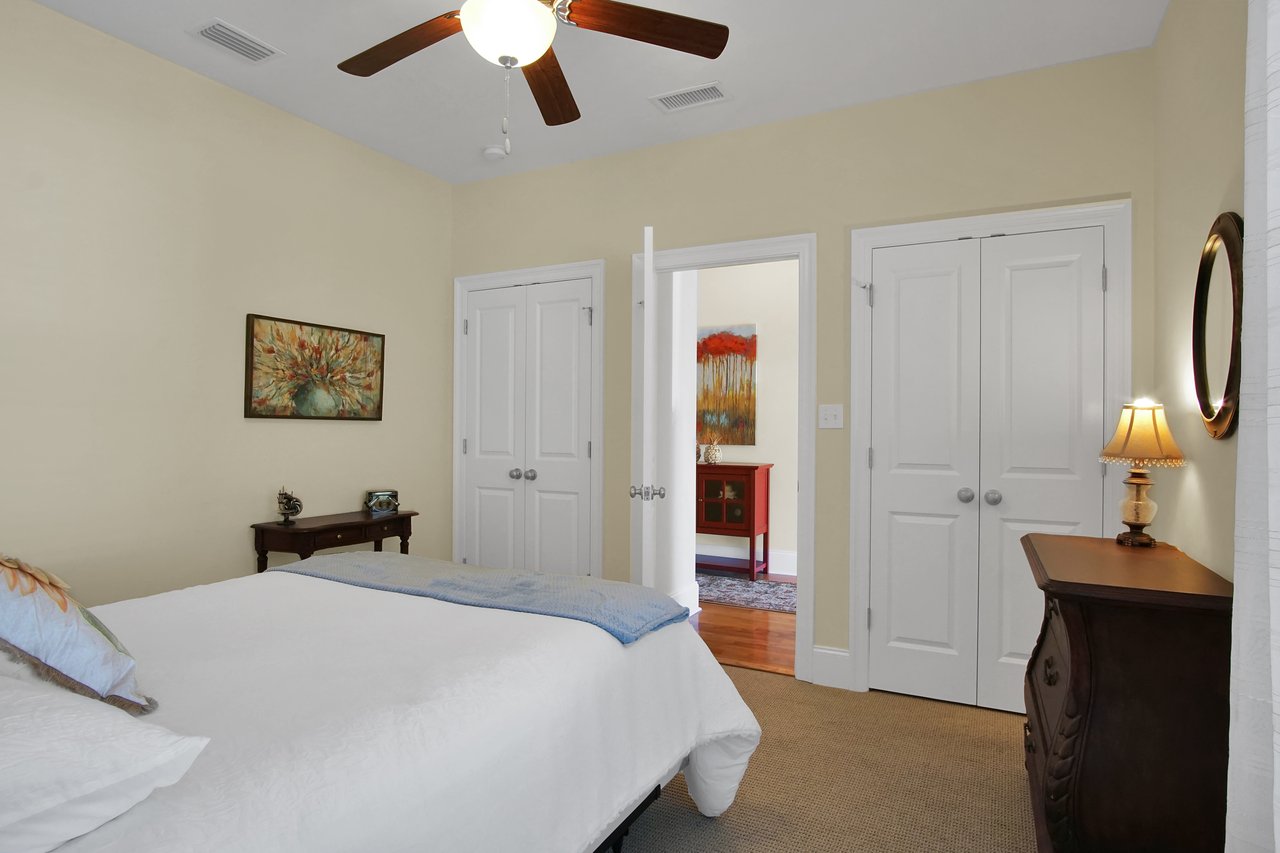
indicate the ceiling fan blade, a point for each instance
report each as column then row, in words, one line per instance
column 398, row 47
column 551, row 90
column 664, row 29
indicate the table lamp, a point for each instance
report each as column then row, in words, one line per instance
column 1142, row 440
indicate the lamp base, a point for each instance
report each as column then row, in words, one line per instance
column 1137, row 510
column 1135, row 538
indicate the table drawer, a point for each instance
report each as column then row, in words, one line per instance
column 336, row 538
column 384, row 529
column 1049, row 674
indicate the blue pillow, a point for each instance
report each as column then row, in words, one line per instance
column 48, row 631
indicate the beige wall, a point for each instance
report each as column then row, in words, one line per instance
column 1070, row 133
column 1199, row 115
column 768, row 296
column 144, row 210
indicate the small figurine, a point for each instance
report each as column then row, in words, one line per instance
column 288, row 506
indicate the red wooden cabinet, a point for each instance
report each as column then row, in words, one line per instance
column 733, row 500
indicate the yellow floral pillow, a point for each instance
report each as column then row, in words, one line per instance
column 52, row 634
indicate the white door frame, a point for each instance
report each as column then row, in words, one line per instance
column 463, row 285
column 1116, row 219
column 802, row 248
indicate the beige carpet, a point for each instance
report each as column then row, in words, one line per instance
column 841, row 771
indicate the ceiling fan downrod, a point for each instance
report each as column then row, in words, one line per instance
column 508, row 62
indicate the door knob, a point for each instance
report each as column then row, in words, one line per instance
column 515, row 473
column 965, row 495
column 993, row 497
column 660, row 492
column 530, row 474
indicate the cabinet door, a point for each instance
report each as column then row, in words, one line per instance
column 724, row 503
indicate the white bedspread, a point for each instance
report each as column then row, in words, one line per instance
column 348, row 719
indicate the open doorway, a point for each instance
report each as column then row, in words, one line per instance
column 665, row 544
column 746, row 399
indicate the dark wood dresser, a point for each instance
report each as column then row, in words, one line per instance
column 1126, row 690
column 733, row 500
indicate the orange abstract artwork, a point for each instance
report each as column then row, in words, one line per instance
column 301, row 370
column 727, row 383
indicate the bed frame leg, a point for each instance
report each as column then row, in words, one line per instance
column 614, row 841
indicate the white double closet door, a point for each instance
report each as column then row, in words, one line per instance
column 987, row 421
column 527, row 457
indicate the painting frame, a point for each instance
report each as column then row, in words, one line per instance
column 290, row 374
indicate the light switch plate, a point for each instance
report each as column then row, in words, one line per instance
column 831, row 416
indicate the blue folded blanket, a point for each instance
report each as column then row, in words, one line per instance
column 625, row 610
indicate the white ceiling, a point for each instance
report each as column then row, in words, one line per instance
column 786, row 58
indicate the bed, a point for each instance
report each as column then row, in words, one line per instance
column 343, row 718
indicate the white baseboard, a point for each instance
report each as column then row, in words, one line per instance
column 832, row 667
column 780, row 562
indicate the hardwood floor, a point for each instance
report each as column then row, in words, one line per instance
column 754, row 639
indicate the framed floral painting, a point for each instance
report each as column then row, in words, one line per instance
column 304, row 370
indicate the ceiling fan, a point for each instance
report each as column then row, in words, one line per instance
column 518, row 33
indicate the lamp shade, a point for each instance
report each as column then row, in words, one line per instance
column 508, row 32
column 1143, row 438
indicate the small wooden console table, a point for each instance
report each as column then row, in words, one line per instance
column 307, row 535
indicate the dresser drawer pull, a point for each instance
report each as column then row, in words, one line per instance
column 339, row 535
column 1050, row 674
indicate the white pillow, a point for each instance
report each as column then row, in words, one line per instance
column 69, row 764
column 61, row 640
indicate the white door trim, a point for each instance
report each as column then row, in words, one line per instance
column 1116, row 219
column 804, row 249
column 463, row 285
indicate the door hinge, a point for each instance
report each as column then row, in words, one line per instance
column 1104, row 279
column 588, row 450
column 871, row 296
column 464, row 447
column 464, row 559
column 871, row 457
column 868, row 618
column 464, row 327
column 1104, row 469
column 590, row 314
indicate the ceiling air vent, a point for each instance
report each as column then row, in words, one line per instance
column 237, row 41
column 686, row 99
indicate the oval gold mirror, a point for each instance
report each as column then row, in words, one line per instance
column 1215, row 325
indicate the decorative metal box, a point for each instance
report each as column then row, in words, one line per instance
column 383, row 501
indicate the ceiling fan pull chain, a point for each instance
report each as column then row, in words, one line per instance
column 506, row 114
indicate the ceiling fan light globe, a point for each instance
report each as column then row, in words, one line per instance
column 508, row 29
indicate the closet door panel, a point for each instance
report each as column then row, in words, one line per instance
column 925, row 438
column 495, row 428
column 1042, row 429
column 557, row 364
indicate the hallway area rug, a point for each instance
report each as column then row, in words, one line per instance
column 741, row 592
